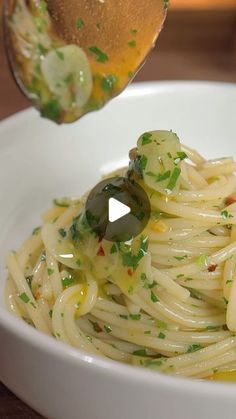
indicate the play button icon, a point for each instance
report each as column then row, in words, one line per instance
column 117, row 209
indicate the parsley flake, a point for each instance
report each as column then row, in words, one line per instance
column 225, row 215
column 51, row 110
column 101, row 56
column 108, row 82
column 24, row 297
column 50, row 271
column 66, row 282
column 140, row 352
column 174, row 177
column 180, row 258
column 79, row 23
column 107, row 329
column 146, row 138
column 154, row 297
column 159, row 177
column 36, row 231
column 60, row 54
column 113, row 249
column 135, row 316
column 193, row 348
column 132, row 44
column 202, row 261
column 62, row 232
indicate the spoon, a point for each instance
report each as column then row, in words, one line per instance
column 71, row 57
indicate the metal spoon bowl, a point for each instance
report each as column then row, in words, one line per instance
column 72, row 57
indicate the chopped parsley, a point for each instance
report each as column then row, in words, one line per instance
column 140, row 164
column 146, row 138
column 149, row 363
column 60, row 54
column 79, row 23
column 62, row 232
column 107, row 329
column 42, row 6
column 180, row 156
column 101, row 56
column 174, row 177
column 51, row 110
column 66, row 282
column 224, row 214
column 132, row 43
column 135, row 316
column 154, row 297
column 180, row 276
column 50, row 313
column 162, row 325
column 140, row 352
column 63, row 202
column 147, row 332
column 202, row 261
column 132, row 260
column 133, row 31
column 113, row 249
column 226, row 301
column 29, row 280
column 42, row 49
column 50, row 271
column 143, row 276
column 162, row 335
column 229, row 281
column 180, row 258
column 24, row 297
column 123, row 316
column 193, row 348
column 69, row 79
column 131, row 289
column 159, row 177
column 36, row 231
column 40, row 23
column 150, row 286
column 166, row 4
column 214, row 328
column 108, row 82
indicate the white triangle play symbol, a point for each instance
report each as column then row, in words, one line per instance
column 117, row 210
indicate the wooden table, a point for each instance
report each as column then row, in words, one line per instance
column 193, row 46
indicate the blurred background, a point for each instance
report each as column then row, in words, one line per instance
column 198, row 42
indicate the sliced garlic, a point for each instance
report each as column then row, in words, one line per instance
column 67, row 73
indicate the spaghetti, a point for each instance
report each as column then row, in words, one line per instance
column 165, row 300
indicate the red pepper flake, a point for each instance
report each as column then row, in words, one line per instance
column 100, row 251
column 130, row 272
column 230, row 200
column 212, row 268
column 96, row 327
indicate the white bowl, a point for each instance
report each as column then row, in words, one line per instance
column 39, row 161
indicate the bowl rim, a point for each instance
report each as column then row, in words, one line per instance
column 78, row 358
